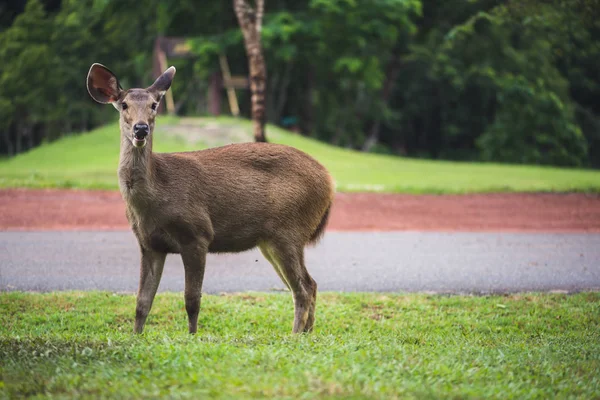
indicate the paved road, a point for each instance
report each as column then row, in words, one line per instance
column 346, row 261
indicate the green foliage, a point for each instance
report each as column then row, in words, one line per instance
column 45, row 58
column 485, row 80
column 533, row 128
column 309, row 51
column 24, row 51
column 493, row 88
column 364, row 346
column 522, row 98
column 90, row 161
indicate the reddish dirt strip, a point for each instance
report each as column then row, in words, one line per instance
column 25, row 209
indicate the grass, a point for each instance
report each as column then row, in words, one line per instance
column 73, row 344
column 89, row 161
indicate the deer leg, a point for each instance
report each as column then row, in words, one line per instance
column 290, row 260
column 310, row 322
column 151, row 269
column 266, row 252
column 194, row 262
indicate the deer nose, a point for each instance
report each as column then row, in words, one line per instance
column 140, row 131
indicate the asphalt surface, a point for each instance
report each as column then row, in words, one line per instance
column 344, row 261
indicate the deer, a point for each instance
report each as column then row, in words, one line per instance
column 224, row 199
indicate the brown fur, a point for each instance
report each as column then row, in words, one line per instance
column 320, row 231
column 226, row 199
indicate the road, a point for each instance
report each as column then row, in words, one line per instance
column 344, row 261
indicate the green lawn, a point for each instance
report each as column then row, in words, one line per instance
column 90, row 161
column 365, row 345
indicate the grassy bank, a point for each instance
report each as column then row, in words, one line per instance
column 90, row 161
column 365, row 345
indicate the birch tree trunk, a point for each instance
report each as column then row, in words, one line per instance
column 251, row 23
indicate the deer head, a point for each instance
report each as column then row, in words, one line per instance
column 137, row 107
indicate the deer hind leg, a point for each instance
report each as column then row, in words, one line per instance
column 150, row 273
column 267, row 253
column 194, row 262
column 290, row 260
column 310, row 322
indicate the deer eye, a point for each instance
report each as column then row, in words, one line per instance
column 154, row 105
column 124, row 106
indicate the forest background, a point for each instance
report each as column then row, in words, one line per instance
column 509, row 81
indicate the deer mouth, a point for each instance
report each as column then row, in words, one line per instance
column 138, row 142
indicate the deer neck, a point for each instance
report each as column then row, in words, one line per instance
column 135, row 168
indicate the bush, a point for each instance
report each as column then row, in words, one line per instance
column 533, row 127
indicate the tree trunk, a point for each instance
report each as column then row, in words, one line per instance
column 282, row 92
column 6, row 132
column 18, row 143
column 277, row 93
column 214, row 97
column 373, row 137
column 307, row 121
column 251, row 24
column 272, row 85
column 30, row 140
column 391, row 75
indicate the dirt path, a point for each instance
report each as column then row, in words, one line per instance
column 23, row 209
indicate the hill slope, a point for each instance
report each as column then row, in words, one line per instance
column 90, row 161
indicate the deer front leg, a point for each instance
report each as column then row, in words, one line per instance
column 194, row 261
column 150, row 272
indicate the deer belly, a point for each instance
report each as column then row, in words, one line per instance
column 232, row 243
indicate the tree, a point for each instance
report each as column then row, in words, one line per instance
column 501, row 80
column 490, row 89
column 251, row 24
column 27, row 79
column 573, row 31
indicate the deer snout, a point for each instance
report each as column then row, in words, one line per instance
column 140, row 131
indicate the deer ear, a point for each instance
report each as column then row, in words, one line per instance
column 163, row 82
column 103, row 85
